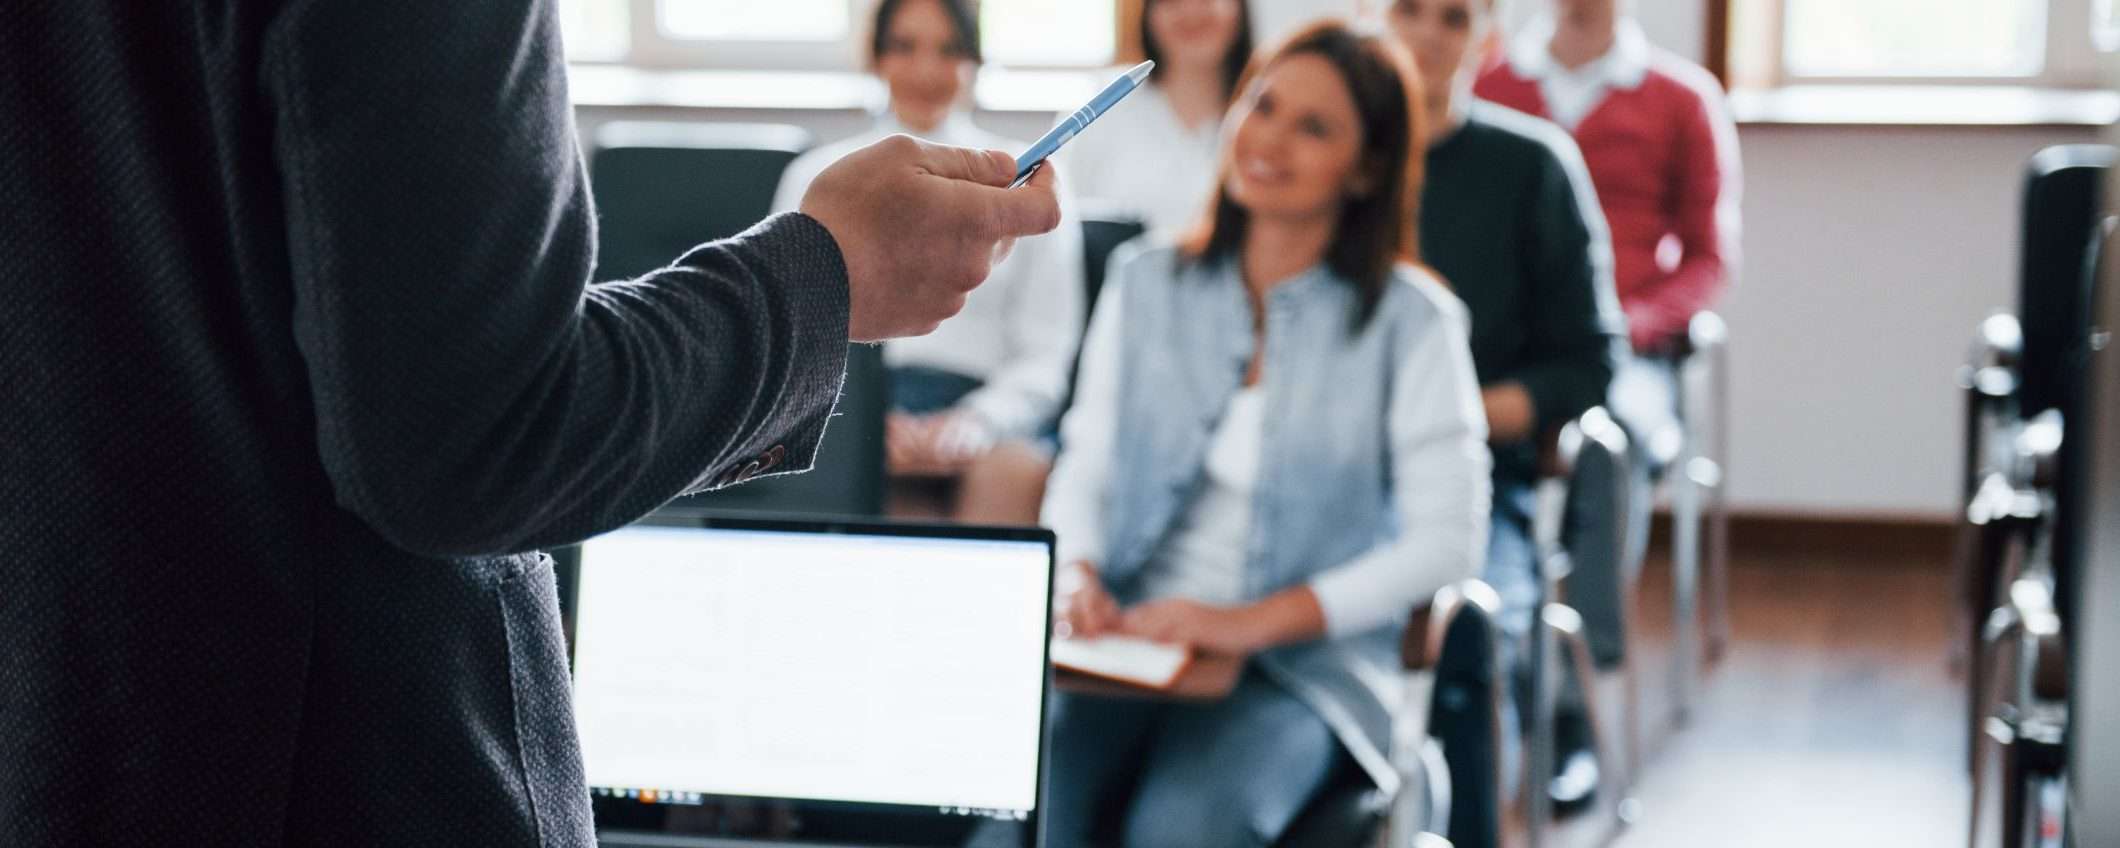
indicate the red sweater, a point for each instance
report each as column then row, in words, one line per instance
column 1663, row 155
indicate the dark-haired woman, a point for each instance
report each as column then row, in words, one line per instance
column 1277, row 450
column 994, row 375
column 1153, row 155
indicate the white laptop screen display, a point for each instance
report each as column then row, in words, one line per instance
column 881, row 669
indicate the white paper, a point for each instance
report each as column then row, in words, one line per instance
column 1154, row 664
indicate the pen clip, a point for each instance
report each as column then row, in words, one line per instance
column 1027, row 174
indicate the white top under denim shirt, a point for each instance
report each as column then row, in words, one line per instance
column 1018, row 330
column 1140, row 160
column 1372, row 467
column 1203, row 559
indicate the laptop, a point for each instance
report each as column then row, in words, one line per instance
column 751, row 681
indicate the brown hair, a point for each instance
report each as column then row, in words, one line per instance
column 964, row 19
column 1377, row 229
column 1233, row 61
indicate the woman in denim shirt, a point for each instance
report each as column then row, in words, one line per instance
column 1277, row 451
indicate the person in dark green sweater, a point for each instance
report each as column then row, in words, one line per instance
column 1509, row 218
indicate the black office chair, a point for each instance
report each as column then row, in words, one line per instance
column 662, row 188
column 1581, row 530
column 1101, row 237
column 1447, row 741
column 2063, row 206
column 1465, row 712
column 2021, row 549
column 2025, row 364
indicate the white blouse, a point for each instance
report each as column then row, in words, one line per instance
column 1018, row 331
column 1203, row 558
column 1140, row 160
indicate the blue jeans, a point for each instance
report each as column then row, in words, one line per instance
column 1513, row 570
column 1644, row 400
column 1146, row 774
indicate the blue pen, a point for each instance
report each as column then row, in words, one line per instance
column 1028, row 163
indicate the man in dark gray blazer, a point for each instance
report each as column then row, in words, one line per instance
column 299, row 369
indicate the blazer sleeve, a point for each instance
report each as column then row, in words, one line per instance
column 473, row 394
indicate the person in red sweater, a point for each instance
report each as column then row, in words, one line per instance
column 1660, row 145
column 1662, row 152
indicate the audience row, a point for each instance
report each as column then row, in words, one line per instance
column 1380, row 266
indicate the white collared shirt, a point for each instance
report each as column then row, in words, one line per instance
column 1572, row 94
column 1018, row 331
column 1141, row 160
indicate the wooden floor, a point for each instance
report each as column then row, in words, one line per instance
column 1832, row 719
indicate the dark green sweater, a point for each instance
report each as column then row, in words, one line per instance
column 1511, row 222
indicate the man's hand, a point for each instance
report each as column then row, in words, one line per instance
column 920, row 225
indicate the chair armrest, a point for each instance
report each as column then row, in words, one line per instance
column 1706, row 332
column 1560, row 450
column 1992, row 367
column 1421, row 644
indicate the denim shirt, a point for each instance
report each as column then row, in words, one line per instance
column 1373, row 479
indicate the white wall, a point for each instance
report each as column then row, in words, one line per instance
column 1870, row 253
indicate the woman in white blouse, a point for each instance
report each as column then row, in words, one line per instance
column 1153, row 155
column 994, row 376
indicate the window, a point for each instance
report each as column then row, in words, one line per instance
column 819, row 34
column 2107, row 21
column 749, row 20
column 2044, row 43
column 1913, row 38
column 594, row 30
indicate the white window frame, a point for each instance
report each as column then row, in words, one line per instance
column 647, row 46
column 2070, row 60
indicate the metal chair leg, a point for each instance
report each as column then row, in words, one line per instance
column 1685, row 589
column 1717, row 536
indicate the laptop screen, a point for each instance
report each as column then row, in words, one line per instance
column 812, row 681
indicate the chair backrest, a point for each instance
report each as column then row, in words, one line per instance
column 2063, row 205
column 2063, row 191
column 1100, row 238
column 848, row 480
column 1594, row 532
column 1466, row 714
column 663, row 188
